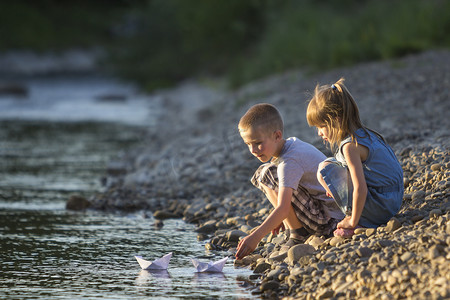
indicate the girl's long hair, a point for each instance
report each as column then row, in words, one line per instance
column 333, row 107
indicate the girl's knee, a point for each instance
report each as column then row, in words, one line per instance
column 322, row 166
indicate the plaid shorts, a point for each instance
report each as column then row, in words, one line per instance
column 309, row 211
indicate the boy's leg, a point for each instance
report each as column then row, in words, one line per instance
column 291, row 221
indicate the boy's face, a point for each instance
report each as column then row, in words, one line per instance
column 260, row 143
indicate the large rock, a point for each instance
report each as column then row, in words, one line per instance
column 77, row 202
column 235, row 235
column 298, row 251
column 162, row 215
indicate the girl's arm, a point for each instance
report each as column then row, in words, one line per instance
column 281, row 212
column 353, row 155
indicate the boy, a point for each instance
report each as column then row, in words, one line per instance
column 289, row 181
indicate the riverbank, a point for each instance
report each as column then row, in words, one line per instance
column 193, row 165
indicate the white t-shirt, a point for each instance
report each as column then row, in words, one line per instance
column 297, row 166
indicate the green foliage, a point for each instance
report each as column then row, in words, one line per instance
column 178, row 38
column 323, row 35
column 56, row 25
column 159, row 42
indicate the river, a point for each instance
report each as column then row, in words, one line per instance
column 57, row 141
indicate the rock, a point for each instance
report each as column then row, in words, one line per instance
column 115, row 168
column 325, row 294
column 419, row 195
column 273, row 274
column 370, row 231
column 435, row 213
column 77, row 202
column 207, row 228
column 261, row 267
column 235, row 235
column 270, row 286
column 162, row 215
column 436, row 167
column 360, row 230
column 278, row 258
column 336, row 240
column 393, row 225
column 364, row 252
column 158, row 224
column 298, row 251
column 248, row 260
column 13, row 89
column 316, row 242
column 407, row 256
column 111, row 97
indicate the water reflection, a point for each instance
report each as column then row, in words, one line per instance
column 48, row 252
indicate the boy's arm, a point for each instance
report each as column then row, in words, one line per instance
column 248, row 244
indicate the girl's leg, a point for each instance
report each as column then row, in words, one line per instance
column 335, row 179
column 322, row 182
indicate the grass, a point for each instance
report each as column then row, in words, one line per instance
column 160, row 42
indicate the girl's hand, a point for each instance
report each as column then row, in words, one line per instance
column 278, row 229
column 346, row 223
column 246, row 246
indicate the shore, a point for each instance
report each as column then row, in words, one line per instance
column 193, row 165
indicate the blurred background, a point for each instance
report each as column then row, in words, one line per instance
column 157, row 43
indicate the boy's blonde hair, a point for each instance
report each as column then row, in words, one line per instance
column 333, row 107
column 262, row 115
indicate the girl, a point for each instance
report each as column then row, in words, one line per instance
column 364, row 178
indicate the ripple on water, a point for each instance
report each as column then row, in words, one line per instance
column 91, row 254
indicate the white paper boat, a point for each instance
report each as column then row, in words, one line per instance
column 158, row 264
column 216, row 266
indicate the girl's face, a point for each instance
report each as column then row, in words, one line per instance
column 324, row 133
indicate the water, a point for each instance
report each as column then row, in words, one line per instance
column 49, row 151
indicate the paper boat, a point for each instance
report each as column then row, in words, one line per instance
column 216, row 266
column 158, row 264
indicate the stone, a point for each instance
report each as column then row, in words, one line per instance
column 316, row 242
column 325, row 294
column 298, row 251
column 364, row 252
column 248, row 260
column 435, row 167
column 435, row 213
column 261, row 267
column 270, row 286
column 407, row 256
column 162, row 215
column 278, row 258
column 336, row 240
column 208, row 227
column 419, row 195
column 393, row 225
column 77, row 202
column 371, row 231
column 360, row 230
column 235, row 235
column 273, row 274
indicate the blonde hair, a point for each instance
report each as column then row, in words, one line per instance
column 262, row 115
column 333, row 107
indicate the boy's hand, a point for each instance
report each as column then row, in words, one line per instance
column 346, row 223
column 278, row 229
column 246, row 246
